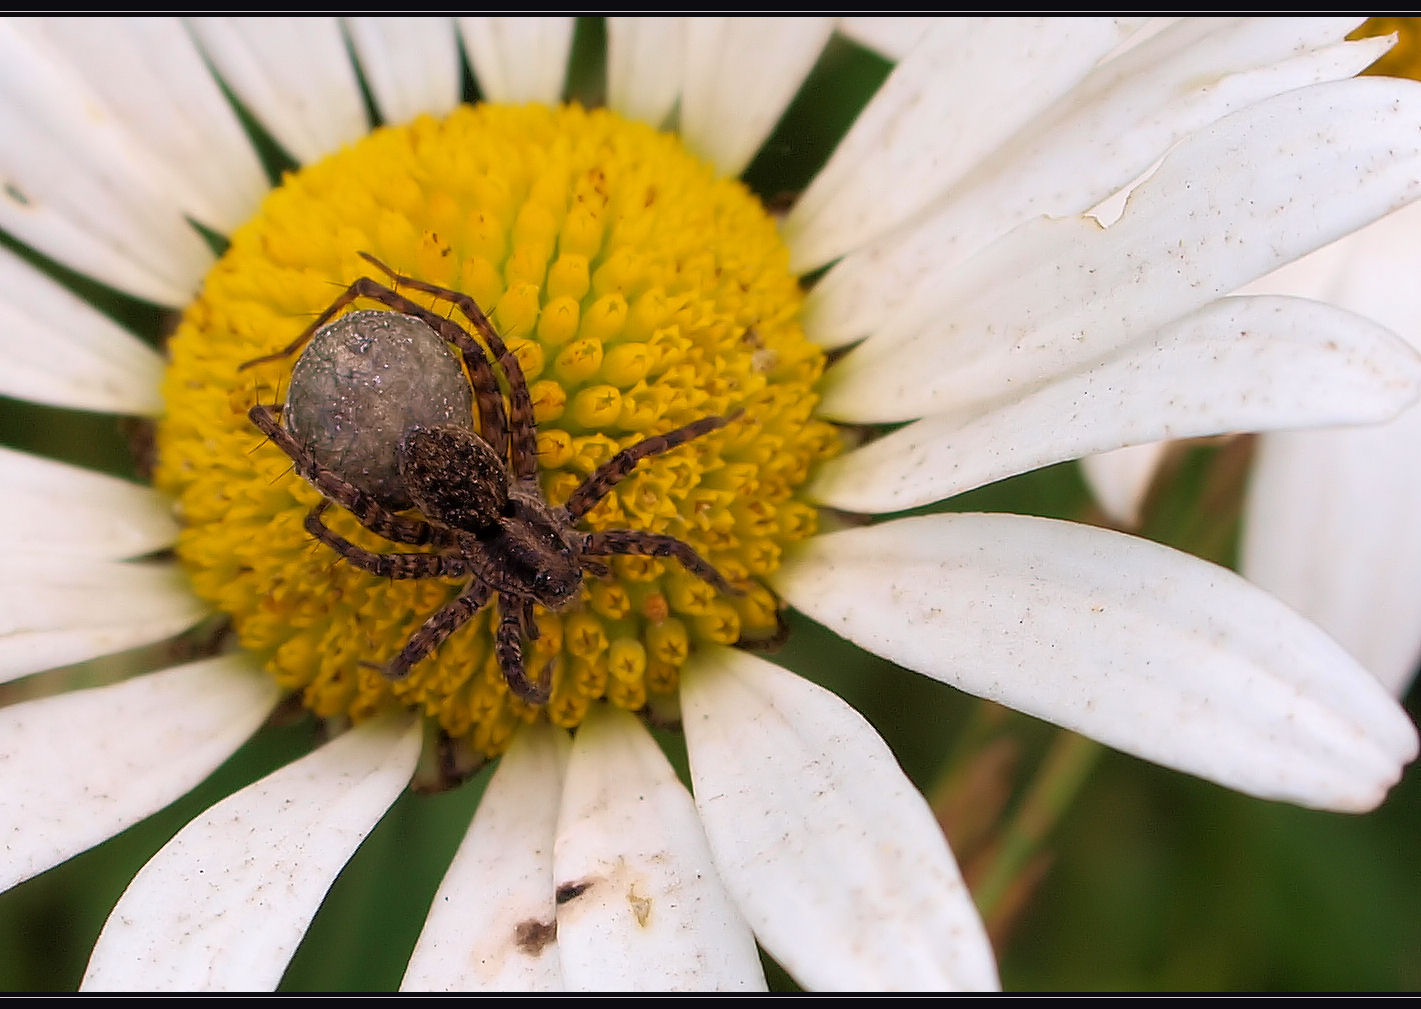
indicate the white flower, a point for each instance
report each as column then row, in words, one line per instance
column 1330, row 518
column 1011, row 330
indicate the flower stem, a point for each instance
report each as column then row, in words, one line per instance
column 1067, row 765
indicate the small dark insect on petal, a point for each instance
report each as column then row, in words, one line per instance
column 571, row 891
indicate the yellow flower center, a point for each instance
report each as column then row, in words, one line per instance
column 638, row 291
column 1404, row 58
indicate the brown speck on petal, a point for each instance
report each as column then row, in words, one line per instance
column 641, row 906
column 533, row 936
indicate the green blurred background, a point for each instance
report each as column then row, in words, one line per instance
column 1149, row 880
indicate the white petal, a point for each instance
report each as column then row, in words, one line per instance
column 492, row 926
column 640, row 907
column 1238, row 364
column 1330, row 527
column 224, row 904
column 100, row 516
column 1099, row 137
column 410, row 64
column 77, row 768
column 919, row 136
column 1231, row 203
column 518, row 59
column 1329, row 523
column 292, row 74
column 831, row 853
column 1120, row 480
column 79, row 187
column 52, row 614
column 646, row 57
column 890, row 37
column 151, row 75
column 1144, row 648
column 57, row 349
column 741, row 74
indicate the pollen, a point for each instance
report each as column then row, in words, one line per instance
column 639, row 292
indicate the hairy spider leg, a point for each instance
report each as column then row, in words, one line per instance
column 615, row 469
column 645, row 544
column 508, row 646
column 372, row 515
column 433, row 632
column 455, row 765
column 493, row 420
column 525, row 617
column 399, row 565
column 524, row 461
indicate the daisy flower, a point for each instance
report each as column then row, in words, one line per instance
column 1329, row 517
column 972, row 305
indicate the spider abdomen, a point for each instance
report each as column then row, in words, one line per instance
column 361, row 383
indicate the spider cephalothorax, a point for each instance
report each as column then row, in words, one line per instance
column 378, row 418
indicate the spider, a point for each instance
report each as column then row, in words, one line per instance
column 482, row 512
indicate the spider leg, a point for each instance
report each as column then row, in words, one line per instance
column 611, row 472
column 525, row 616
column 456, row 762
column 635, row 541
column 508, row 645
column 493, row 422
column 372, row 515
column 345, row 298
column 520, row 401
column 384, row 565
column 433, row 632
